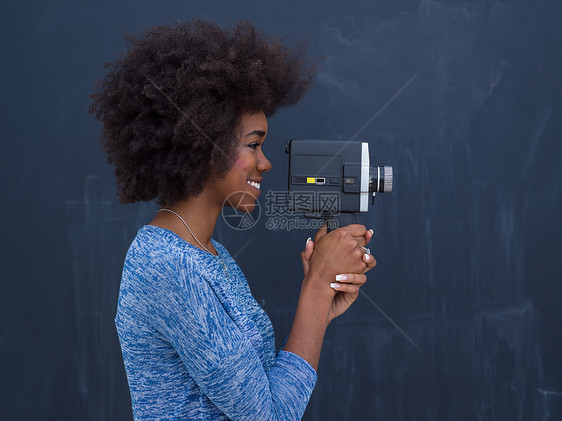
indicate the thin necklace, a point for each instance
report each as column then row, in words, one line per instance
column 218, row 256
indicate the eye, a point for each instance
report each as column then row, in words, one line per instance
column 254, row 145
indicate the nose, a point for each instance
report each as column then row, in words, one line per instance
column 263, row 164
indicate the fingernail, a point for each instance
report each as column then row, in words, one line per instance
column 341, row 278
column 367, row 257
column 334, row 285
column 308, row 240
column 372, row 232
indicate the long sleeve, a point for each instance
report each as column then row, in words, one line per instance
column 175, row 298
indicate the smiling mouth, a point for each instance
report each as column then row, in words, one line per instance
column 254, row 184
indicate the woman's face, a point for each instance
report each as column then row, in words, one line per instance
column 240, row 187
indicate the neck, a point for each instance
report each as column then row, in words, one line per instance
column 199, row 213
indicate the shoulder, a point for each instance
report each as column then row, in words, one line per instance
column 159, row 256
column 152, row 246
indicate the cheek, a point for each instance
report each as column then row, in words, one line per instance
column 243, row 164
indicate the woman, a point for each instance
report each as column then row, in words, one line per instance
column 184, row 113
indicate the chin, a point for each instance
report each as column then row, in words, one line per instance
column 246, row 208
column 245, row 202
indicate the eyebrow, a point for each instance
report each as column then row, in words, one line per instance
column 260, row 133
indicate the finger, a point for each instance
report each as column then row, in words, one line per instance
column 308, row 249
column 361, row 239
column 356, row 263
column 321, row 232
column 352, row 278
column 367, row 258
column 370, row 261
column 306, row 254
column 356, row 230
column 364, row 240
column 351, row 288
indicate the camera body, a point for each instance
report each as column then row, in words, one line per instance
column 328, row 177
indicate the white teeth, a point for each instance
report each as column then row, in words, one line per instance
column 253, row 183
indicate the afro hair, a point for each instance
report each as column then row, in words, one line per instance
column 171, row 104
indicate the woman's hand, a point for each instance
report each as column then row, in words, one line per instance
column 347, row 292
column 345, row 285
column 335, row 253
column 306, row 254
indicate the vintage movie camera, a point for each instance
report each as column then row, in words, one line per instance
column 332, row 179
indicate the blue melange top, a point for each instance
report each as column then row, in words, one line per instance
column 195, row 343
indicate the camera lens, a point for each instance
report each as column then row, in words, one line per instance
column 380, row 179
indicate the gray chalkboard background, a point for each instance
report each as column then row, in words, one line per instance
column 469, row 243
